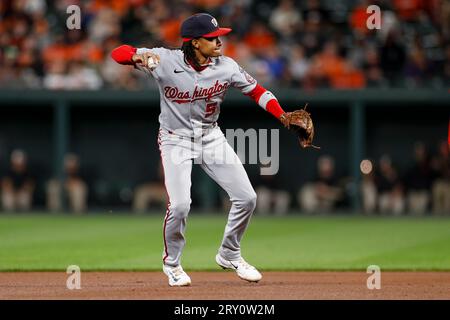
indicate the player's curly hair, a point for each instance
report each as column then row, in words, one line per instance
column 189, row 53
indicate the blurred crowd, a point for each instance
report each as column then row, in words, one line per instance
column 385, row 189
column 420, row 189
column 19, row 183
column 304, row 44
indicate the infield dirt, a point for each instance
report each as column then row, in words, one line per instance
column 226, row 285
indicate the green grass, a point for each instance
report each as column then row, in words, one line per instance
column 123, row 242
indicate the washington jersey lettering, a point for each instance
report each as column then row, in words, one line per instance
column 190, row 99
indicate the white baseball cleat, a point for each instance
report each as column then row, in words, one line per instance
column 244, row 270
column 177, row 276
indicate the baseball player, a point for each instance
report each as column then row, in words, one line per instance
column 192, row 82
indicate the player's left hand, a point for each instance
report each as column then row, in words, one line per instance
column 301, row 123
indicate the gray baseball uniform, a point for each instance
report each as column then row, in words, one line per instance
column 190, row 107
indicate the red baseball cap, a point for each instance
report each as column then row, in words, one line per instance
column 201, row 25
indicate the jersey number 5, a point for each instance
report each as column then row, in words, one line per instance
column 210, row 109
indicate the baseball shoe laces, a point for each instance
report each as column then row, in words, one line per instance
column 243, row 269
column 177, row 276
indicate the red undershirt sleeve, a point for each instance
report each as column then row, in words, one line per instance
column 124, row 54
column 274, row 108
column 266, row 100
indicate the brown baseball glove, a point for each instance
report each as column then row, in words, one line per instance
column 300, row 122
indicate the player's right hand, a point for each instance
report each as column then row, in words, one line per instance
column 142, row 59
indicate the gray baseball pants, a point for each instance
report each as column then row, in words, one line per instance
column 211, row 150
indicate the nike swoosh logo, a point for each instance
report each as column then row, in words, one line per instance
column 233, row 265
column 178, row 71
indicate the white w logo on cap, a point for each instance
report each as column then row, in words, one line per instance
column 214, row 22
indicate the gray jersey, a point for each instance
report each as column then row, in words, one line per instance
column 189, row 99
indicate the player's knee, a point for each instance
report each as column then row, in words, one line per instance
column 180, row 209
column 249, row 202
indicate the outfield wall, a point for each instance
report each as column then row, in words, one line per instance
column 114, row 132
